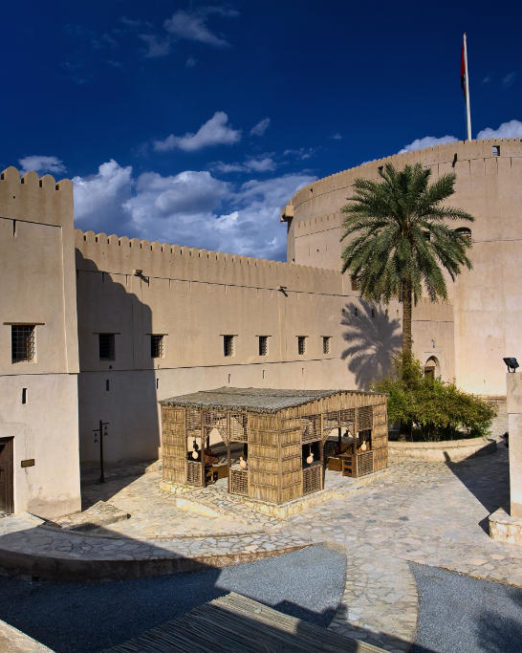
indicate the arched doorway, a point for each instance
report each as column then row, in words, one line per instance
column 432, row 368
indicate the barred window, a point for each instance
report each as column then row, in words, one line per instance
column 326, row 344
column 22, row 343
column 301, row 345
column 156, row 346
column 229, row 345
column 107, row 349
column 263, row 345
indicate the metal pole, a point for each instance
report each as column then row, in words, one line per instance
column 468, row 108
column 102, row 472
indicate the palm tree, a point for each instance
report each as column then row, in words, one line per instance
column 400, row 242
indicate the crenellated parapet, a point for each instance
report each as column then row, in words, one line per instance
column 131, row 256
column 36, row 199
column 462, row 157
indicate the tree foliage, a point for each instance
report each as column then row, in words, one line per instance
column 399, row 241
column 429, row 409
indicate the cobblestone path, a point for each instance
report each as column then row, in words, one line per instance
column 429, row 513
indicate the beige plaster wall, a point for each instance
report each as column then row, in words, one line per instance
column 488, row 300
column 134, row 288
column 44, row 429
column 38, row 286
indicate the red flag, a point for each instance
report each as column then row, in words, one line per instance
column 463, row 71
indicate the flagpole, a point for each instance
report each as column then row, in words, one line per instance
column 468, row 110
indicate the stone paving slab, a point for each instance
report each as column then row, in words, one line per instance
column 429, row 513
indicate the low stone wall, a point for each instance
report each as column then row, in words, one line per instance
column 447, row 451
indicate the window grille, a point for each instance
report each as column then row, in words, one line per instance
column 239, row 427
column 263, row 345
column 355, row 283
column 106, row 346
column 238, row 481
column 156, row 346
column 301, row 345
column 312, row 479
column 229, row 345
column 365, row 417
column 22, row 342
column 326, row 344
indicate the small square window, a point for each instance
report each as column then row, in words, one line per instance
column 229, row 345
column 326, row 344
column 355, row 283
column 495, row 150
column 263, row 345
column 22, row 343
column 301, row 345
column 106, row 344
column 156, row 346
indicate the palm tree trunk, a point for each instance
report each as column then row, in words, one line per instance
column 406, row 320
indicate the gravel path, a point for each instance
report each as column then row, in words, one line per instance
column 79, row 618
column 462, row 614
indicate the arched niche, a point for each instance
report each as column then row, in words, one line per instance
column 432, row 368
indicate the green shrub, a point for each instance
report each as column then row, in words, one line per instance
column 429, row 409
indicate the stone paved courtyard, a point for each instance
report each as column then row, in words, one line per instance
column 427, row 513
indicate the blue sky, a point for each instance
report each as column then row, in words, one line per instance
column 193, row 123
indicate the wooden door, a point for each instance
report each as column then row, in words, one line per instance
column 6, row 475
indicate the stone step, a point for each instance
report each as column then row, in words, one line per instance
column 237, row 624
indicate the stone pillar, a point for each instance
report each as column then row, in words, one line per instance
column 514, row 407
column 504, row 527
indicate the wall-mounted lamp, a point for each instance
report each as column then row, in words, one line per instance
column 511, row 364
column 283, row 290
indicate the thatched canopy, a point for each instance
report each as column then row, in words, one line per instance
column 283, row 434
column 255, row 400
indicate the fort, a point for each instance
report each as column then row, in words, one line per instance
column 100, row 327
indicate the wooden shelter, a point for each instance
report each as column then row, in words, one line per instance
column 282, row 436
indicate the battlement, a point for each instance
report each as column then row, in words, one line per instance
column 131, row 256
column 36, row 199
column 450, row 156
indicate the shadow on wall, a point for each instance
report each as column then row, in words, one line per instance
column 117, row 382
column 371, row 338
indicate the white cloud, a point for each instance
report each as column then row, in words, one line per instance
column 192, row 208
column 157, row 47
column 191, row 62
column 427, row 141
column 302, row 153
column 99, row 198
column 260, row 128
column 336, row 137
column 187, row 193
column 215, row 131
column 40, row 164
column 264, row 163
column 192, row 26
column 509, row 79
column 225, row 168
column 511, row 129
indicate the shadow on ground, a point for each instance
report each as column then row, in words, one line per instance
column 491, row 489
column 75, row 617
